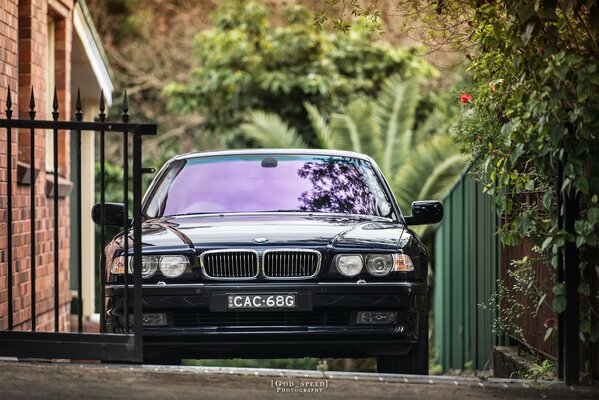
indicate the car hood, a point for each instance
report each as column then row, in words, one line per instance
column 280, row 229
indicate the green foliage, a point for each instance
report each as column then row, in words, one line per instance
column 395, row 117
column 469, row 365
column 365, row 12
column 113, row 178
column 545, row 370
column 244, row 63
column 418, row 161
column 283, row 363
column 266, row 128
column 534, row 106
column 428, row 172
column 113, row 181
column 506, row 303
column 148, row 44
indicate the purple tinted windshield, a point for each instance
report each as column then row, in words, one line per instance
column 233, row 184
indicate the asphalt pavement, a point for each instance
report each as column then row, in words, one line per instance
column 61, row 380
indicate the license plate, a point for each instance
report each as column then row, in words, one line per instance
column 261, row 301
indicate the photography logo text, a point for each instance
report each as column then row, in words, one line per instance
column 286, row 386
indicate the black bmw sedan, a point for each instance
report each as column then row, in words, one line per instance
column 276, row 253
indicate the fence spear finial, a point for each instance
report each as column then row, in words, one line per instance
column 78, row 108
column 55, row 112
column 125, row 113
column 8, row 104
column 102, row 114
column 32, row 105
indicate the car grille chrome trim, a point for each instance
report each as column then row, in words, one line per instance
column 225, row 264
column 291, row 263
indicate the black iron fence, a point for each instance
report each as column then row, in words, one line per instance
column 79, row 345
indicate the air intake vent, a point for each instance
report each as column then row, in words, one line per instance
column 291, row 263
column 229, row 264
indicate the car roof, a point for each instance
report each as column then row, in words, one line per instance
column 242, row 152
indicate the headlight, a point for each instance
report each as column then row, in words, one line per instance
column 349, row 265
column 149, row 265
column 379, row 264
column 173, row 266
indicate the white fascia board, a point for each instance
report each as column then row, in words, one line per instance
column 93, row 53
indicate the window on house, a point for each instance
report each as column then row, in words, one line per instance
column 50, row 84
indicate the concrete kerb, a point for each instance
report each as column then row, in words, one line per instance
column 376, row 377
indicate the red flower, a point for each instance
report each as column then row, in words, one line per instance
column 465, row 98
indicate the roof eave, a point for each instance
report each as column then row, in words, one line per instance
column 85, row 29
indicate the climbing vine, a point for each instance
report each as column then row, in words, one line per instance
column 537, row 75
column 533, row 104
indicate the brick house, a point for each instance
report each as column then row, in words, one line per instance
column 47, row 44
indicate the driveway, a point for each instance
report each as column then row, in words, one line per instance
column 20, row 380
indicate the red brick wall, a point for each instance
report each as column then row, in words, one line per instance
column 23, row 41
column 8, row 77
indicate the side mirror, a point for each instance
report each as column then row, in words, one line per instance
column 425, row 212
column 114, row 213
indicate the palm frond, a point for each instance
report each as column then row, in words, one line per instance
column 395, row 113
column 361, row 112
column 346, row 132
column 429, row 172
column 324, row 134
column 269, row 130
column 435, row 123
column 443, row 177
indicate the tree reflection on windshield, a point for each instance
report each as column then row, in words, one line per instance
column 338, row 186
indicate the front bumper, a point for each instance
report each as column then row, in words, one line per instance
column 288, row 335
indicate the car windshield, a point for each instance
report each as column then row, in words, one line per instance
column 269, row 183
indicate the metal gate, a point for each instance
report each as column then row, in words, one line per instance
column 75, row 345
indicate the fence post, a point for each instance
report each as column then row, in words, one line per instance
column 137, row 246
column 9, row 208
column 32, row 223
column 55, row 115
column 568, row 328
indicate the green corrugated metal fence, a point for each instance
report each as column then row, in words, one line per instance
column 466, row 272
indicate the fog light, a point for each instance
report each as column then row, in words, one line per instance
column 376, row 317
column 151, row 319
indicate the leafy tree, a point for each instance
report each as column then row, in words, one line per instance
column 532, row 109
column 148, row 45
column 420, row 162
column 245, row 63
column 538, row 86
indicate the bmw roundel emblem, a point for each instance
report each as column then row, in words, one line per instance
column 260, row 240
